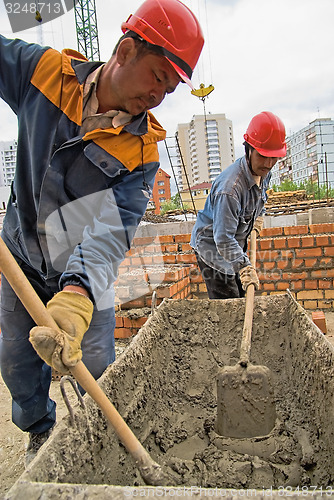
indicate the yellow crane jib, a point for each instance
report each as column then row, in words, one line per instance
column 202, row 92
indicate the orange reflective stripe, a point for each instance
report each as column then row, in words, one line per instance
column 55, row 78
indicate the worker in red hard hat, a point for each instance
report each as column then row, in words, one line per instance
column 87, row 156
column 235, row 206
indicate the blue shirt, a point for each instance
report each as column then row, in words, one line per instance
column 222, row 227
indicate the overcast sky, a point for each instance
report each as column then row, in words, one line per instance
column 274, row 55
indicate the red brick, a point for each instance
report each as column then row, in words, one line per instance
column 182, row 238
column 329, row 251
column 187, row 248
column 268, row 255
column 170, row 248
column 293, row 242
column 297, row 285
column 307, row 241
column 280, row 243
column 282, row 285
column 319, row 320
column 311, row 284
column 269, row 265
column 166, row 239
column 308, row 252
column 328, row 284
column 295, row 230
column 287, row 254
column 272, row 231
column 169, row 259
column 143, row 241
column 265, row 244
column 297, row 263
column 186, row 259
column 310, row 262
column 123, row 333
column 268, row 286
column 119, row 322
column 282, row 264
column 294, row 276
column 322, row 241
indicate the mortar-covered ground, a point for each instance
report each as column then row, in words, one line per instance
column 13, row 442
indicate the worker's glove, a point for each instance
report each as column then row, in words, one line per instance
column 258, row 224
column 249, row 276
column 62, row 349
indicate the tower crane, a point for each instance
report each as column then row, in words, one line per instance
column 86, row 29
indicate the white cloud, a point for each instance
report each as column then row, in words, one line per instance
column 259, row 54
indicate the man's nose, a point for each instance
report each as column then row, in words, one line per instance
column 270, row 162
column 158, row 94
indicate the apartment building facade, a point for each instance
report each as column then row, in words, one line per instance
column 161, row 190
column 7, row 162
column 207, row 148
column 310, row 155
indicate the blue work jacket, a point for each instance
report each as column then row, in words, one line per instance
column 222, row 227
column 76, row 201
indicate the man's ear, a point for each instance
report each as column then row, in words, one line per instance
column 126, row 51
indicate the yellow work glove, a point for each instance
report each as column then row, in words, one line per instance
column 248, row 276
column 62, row 349
column 258, row 224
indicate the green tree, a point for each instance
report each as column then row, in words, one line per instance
column 173, row 204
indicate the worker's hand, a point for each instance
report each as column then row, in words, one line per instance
column 62, row 349
column 258, row 224
column 248, row 276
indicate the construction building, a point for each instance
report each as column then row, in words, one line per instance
column 207, row 147
column 310, row 155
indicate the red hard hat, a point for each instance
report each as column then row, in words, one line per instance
column 266, row 134
column 171, row 26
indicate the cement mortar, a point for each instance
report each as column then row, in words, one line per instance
column 164, row 386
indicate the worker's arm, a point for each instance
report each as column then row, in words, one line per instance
column 18, row 61
column 227, row 220
column 94, row 263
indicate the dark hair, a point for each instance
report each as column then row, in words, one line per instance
column 248, row 150
column 143, row 47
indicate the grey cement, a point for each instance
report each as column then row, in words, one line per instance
column 164, row 385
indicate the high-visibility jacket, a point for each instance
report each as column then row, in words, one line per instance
column 75, row 201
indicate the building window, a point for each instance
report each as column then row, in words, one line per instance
column 161, row 200
column 161, row 183
column 161, row 191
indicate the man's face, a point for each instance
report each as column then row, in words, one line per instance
column 137, row 84
column 261, row 165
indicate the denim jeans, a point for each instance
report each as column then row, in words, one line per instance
column 219, row 285
column 26, row 375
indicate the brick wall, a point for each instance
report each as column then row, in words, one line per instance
column 300, row 258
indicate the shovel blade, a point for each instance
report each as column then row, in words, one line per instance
column 245, row 402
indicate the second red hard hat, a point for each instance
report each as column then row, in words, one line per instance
column 266, row 134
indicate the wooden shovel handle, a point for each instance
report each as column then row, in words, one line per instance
column 249, row 308
column 37, row 310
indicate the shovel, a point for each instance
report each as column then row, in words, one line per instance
column 150, row 471
column 245, row 402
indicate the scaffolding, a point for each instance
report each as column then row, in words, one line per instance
column 86, row 28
